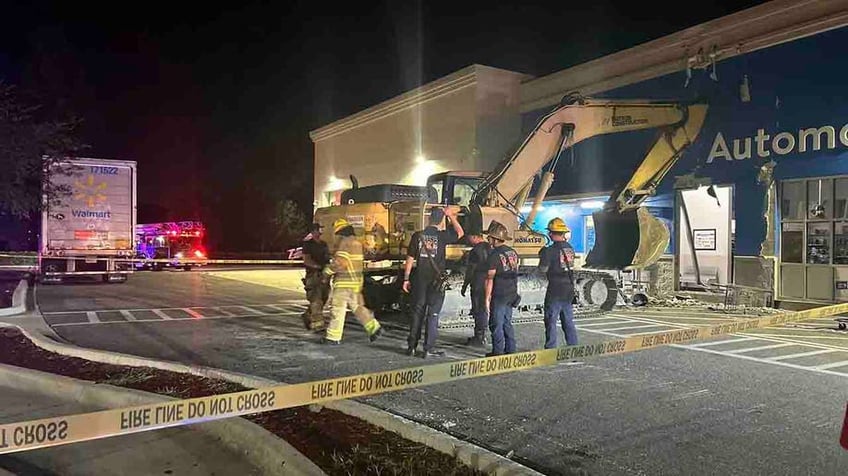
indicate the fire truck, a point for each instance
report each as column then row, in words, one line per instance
column 170, row 245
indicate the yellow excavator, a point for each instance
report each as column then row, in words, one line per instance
column 627, row 236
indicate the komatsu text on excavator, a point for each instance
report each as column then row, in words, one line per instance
column 627, row 236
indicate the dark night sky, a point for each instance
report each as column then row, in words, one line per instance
column 216, row 105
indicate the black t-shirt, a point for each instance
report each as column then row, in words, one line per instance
column 504, row 260
column 430, row 243
column 318, row 251
column 552, row 260
column 476, row 262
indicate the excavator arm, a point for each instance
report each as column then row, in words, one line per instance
column 572, row 123
column 577, row 120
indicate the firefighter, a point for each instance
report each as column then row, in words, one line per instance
column 501, row 289
column 346, row 268
column 427, row 251
column 557, row 261
column 475, row 276
column 316, row 255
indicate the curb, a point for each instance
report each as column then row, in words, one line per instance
column 18, row 300
column 259, row 446
column 470, row 454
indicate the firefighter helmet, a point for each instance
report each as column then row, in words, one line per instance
column 497, row 231
column 557, row 225
column 340, row 225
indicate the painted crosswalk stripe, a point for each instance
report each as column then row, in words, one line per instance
column 161, row 314
column 643, row 326
column 127, row 315
column 822, row 369
column 251, row 310
column 761, row 347
column 802, row 354
column 843, row 363
column 719, row 342
column 579, row 324
column 92, row 316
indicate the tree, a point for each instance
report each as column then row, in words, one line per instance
column 30, row 144
column 289, row 222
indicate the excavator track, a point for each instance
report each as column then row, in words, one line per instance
column 597, row 294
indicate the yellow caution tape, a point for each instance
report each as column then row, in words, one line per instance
column 88, row 426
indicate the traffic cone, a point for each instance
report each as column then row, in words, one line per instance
column 844, row 439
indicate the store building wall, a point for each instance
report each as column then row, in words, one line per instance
column 776, row 114
column 464, row 121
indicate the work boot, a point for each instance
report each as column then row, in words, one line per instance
column 326, row 341
column 476, row 341
column 410, row 351
column 376, row 335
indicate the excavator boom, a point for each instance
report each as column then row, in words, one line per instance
column 626, row 236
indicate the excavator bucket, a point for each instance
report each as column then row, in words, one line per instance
column 629, row 240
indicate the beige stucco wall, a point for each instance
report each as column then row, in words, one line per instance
column 465, row 121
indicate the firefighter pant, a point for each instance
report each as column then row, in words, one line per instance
column 344, row 300
column 478, row 309
column 317, row 292
column 500, row 323
column 563, row 311
column 425, row 306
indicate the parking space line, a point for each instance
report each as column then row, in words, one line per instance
column 225, row 312
column 127, row 315
column 595, row 331
column 802, row 354
column 635, row 327
column 688, row 318
column 302, row 303
column 761, row 347
column 679, row 326
column 792, row 336
column 161, row 314
column 726, row 341
column 831, row 365
column 92, row 316
column 794, row 339
column 764, row 361
column 602, row 318
column 251, row 310
column 604, row 323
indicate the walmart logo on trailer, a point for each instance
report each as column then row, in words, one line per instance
column 781, row 144
column 91, row 214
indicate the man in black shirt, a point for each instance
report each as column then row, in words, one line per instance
column 501, row 289
column 427, row 251
column 557, row 261
column 475, row 276
column 316, row 255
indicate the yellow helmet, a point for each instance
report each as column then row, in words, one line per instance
column 340, row 225
column 557, row 225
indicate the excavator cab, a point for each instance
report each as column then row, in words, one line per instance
column 629, row 239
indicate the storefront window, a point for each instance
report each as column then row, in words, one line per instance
column 792, row 203
column 841, row 202
column 792, row 242
column 818, row 243
column 840, row 243
column 820, row 199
